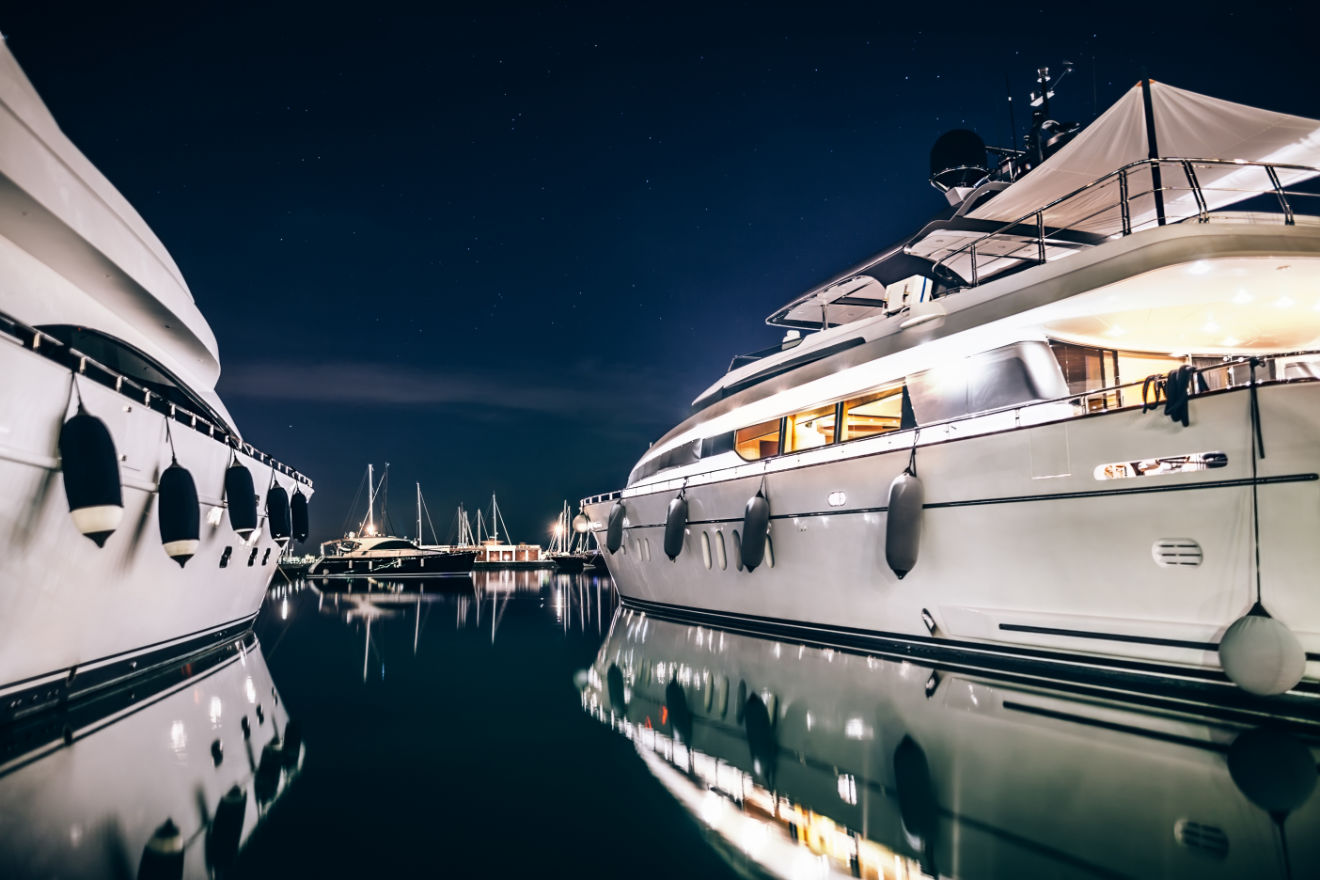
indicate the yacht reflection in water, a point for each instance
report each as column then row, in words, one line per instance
column 167, row 778
column 579, row 602
column 805, row 761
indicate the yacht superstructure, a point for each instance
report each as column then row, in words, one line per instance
column 110, row 428
column 1074, row 417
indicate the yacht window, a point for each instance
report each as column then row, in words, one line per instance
column 758, row 441
column 1024, row 372
column 1134, row 367
column 394, row 545
column 811, row 429
column 876, row 413
column 1086, row 369
column 128, row 361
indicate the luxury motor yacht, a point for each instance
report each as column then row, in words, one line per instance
column 369, row 549
column 1073, row 417
column 799, row 760
column 137, row 523
column 387, row 555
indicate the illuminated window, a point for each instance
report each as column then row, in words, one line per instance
column 758, row 441
column 876, row 413
column 811, row 429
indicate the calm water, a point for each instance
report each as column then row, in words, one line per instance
column 522, row 723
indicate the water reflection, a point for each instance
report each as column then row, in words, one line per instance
column 802, row 761
column 579, row 603
column 167, row 777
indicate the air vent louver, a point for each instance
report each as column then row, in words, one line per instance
column 1176, row 552
column 1208, row 839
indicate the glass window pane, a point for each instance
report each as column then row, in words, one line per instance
column 758, row 441
column 873, row 414
column 811, row 429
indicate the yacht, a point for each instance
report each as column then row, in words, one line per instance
column 803, row 760
column 387, row 555
column 370, row 550
column 1072, row 417
column 137, row 523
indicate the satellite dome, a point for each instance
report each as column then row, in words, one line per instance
column 957, row 160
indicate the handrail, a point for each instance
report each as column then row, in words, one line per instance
column 51, row 348
column 1187, row 165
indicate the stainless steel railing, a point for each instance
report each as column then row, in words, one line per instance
column 71, row 358
column 1028, row 238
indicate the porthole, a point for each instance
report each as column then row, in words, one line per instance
column 705, row 549
column 721, row 555
column 737, row 550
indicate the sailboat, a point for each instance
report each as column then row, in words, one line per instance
column 566, row 550
column 371, row 550
column 493, row 552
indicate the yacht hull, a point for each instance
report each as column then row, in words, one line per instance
column 422, row 565
column 1021, row 545
column 75, row 613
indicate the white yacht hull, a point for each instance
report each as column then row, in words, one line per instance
column 1022, row 547
column 73, row 612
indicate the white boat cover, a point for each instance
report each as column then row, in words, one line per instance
column 1187, row 125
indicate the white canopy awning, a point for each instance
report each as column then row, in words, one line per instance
column 1187, row 125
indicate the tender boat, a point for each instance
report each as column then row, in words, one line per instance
column 1073, row 417
column 137, row 524
column 803, row 760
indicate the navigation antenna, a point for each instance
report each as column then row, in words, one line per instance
column 371, row 501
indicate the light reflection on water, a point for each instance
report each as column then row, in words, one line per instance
column 519, row 722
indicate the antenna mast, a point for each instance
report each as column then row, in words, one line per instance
column 371, row 500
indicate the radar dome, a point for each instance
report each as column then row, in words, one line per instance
column 957, row 160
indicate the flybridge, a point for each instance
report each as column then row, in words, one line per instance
column 1131, row 169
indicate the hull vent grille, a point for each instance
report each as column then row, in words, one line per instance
column 1176, row 552
column 1208, row 839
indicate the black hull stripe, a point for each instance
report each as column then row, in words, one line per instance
column 1110, row 637
column 38, row 737
column 58, row 688
column 1178, row 682
column 1021, row 499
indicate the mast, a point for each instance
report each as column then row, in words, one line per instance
column 494, row 521
column 419, row 514
column 371, row 500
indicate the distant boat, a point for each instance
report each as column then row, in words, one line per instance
column 564, row 552
column 366, row 551
column 492, row 552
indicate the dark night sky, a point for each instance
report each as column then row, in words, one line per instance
column 503, row 247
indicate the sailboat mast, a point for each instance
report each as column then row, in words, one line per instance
column 419, row 514
column 371, row 500
column 494, row 518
